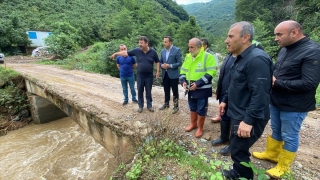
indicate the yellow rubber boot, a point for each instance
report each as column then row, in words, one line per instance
column 284, row 163
column 272, row 152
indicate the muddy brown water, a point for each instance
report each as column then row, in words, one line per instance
column 56, row 150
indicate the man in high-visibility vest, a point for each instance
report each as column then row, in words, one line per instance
column 197, row 71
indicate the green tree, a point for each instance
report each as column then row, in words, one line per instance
column 12, row 34
column 262, row 34
column 64, row 40
column 174, row 8
column 171, row 29
column 185, row 32
column 123, row 23
column 152, row 29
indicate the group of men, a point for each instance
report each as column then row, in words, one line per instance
column 251, row 90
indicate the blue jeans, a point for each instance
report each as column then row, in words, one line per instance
column 144, row 83
column 198, row 105
column 124, row 83
column 286, row 127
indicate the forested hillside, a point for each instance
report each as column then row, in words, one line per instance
column 81, row 23
column 266, row 14
column 215, row 16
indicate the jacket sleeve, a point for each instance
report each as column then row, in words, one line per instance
column 259, row 79
column 161, row 58
column 310, row 70
column 178, row 58
column 184, row 71
column 210, row 71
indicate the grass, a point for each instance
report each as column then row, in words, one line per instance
column 160, row 156
column 6, row 74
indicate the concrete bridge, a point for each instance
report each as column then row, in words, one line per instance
column 94, row 101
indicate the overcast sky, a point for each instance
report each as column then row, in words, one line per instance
column 190, row 1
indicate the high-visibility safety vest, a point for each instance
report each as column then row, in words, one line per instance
column 194, row 69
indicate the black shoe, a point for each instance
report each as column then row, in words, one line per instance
column 165, row 106
column 125, row 103
column 140, row 110
column 151, row 109
column 135, row 101
column 225, row 151
column 218, row 142
column 230, row 174
column 175, row 110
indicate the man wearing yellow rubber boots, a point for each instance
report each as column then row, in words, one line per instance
column 296, row 77
column 197, row 71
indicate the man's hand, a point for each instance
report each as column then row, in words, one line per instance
column 113, row 56
column 221, row 108
column 157, row 74
column 273, row 80
column 165, row 66
column 244, row 130
column 184, row 85
column 193, row 87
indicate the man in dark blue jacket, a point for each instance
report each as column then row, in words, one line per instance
column 247, row 96
column 222, row 87
column 295, row 80
column 170, row 62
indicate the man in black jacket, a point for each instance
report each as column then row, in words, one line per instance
column 247, row 96
column 222, row 87
column 295, row 80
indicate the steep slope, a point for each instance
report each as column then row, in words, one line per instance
column 215, row 16
column 94, row 20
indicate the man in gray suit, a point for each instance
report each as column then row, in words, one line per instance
column 170, row 62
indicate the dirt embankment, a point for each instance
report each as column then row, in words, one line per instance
column 105, row 93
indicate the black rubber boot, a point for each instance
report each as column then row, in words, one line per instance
column 164, row 106
column 225, row 134
column 225, row 151
column 176, row 106
column 230, row 174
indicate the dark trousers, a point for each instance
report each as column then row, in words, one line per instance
column 170, row 84
column 240, row 147
column 144, row 84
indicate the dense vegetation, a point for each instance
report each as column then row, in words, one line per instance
column 14, row 103
column 79, row 23
column 215, row 16
column 266, row 14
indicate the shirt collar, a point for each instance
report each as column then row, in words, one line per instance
column 246, row 51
